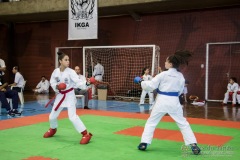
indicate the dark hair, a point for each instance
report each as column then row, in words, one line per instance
column 16, row 68
column 234, row 79
column 99, row 60
column 61, row 55
column 179, row 58
column 144, row 69
column 186, row 82
column 43, row 77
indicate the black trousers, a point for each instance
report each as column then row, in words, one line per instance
column 9, row 94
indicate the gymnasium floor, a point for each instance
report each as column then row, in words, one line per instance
column 117, row 127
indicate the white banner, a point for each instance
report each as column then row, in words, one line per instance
column 82, row 19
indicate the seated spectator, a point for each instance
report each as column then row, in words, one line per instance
column 82, row 92
column 42, row 87
column 7, row 93
column 232, row 89
column 2, row 70
column 18, row 81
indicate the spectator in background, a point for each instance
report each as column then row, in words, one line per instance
column 18, row 80
column 98, row 71
column 146, row 77
column 232, row 89
column 43, row 86
column 7, row 93
column 82, row 91
column 2, row 69
column 98, row 74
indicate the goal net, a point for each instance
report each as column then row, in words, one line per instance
column 121, row 64
column 222, row 63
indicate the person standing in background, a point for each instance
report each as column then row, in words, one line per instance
column 146, row 77
column 98, row 74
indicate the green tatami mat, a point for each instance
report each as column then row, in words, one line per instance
column 27, row 142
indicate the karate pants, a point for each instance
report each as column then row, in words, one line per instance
column 73, row 117
column 226, row 97
column 143, row 95
column 156, row 116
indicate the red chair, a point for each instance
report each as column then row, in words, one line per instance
column 230, row 96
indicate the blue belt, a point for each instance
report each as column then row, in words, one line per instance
column 167, row 93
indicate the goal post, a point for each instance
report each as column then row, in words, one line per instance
column 222, row 62
column 121, row 64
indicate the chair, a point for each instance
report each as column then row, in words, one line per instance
column 81, row 97
column 20, row 94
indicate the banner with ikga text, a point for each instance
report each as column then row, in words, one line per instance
column 82, row 19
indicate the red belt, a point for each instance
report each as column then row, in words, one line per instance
column 64, row 95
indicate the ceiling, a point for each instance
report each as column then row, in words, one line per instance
column 135, row 10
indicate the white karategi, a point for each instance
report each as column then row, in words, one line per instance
column 170, row 85
column 231, row 88
column 42, row 87
column 98, row 72
column 144, row 92
column 71, row 79
column 83, row 91
column 98, row 75
column 2, row 65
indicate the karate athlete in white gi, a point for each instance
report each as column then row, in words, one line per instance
column 66, row 98
column 232, row 88
column 169, row 86
column 97, row 74
column 43, row 86
column 146, row 77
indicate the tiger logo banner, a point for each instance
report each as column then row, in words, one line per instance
column 82, row 19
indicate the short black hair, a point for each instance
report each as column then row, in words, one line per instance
column 234, row 79
column 144, row 69
column 16, row 68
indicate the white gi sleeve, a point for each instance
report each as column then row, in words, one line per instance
column 235, row 87
column 39, row 85
column 53, row 81
column 79, row 83
column 152, row 84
